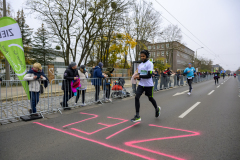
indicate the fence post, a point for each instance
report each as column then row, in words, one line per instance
column 175, row 80
column 161, row 83
column 166, row 82
column 181, row 81
column 170, row 83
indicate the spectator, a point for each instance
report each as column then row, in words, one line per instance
column 83, row 81
column 70, row 74
column 168, row 77
column 92, row 71
column 134, row 81
column 97, row 80
column 178, row 76
column 164, row 75
column 34, row 77
column 107, row 83
column 0, row 80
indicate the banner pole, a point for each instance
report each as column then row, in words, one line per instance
column 7, row 66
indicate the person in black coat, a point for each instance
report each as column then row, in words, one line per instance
column 97, row 81
column 0, row 80
column 70, row 74
column 92, row 71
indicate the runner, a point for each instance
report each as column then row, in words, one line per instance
column 235, row 75
column 146, row 84
column 216, row 76
column 223, row 75
column 190, row 71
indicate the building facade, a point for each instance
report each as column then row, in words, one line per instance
column 175, row 54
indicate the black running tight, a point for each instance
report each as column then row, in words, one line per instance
column 216, row 80
column 137, row 102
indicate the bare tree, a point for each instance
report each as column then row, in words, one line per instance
column 146, row 24
column 76, row 24
column 203, row 64
column 170, row 35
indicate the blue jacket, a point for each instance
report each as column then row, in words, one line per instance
column 191, row 73
column 97, row 76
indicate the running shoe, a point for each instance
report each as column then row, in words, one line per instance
column 83, row 105
column 136, row 119
column 158, row 112
column 189, row 93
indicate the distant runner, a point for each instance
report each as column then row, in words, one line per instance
column 216, row 77
column 146, row 84
column 190, row 71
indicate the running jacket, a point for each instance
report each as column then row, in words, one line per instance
column 191, row 73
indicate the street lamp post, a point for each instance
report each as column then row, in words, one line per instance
column 194, row 59
column 198, row 49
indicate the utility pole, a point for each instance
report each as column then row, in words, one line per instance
column 7, row 66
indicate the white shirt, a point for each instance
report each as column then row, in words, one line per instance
column 143, row 69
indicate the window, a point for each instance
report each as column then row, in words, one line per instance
column 158, row 54
column 153, row 54
column 149, row 47
column 153, row 47
column 167, row 53
column 162, row 45
column 158, row 46
column 162, row 53
column 167, row 45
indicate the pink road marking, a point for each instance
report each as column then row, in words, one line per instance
column 107, row 126
column 94, row 141
column 122, row 130
column 131, row 143
column 94, row 116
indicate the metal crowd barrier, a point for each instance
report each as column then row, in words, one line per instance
column 239, row 84
column 166, row 82
column 14, row 102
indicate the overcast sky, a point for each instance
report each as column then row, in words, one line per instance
column 216, row 23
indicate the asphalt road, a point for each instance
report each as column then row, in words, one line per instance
column 203, row 126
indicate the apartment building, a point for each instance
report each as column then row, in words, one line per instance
column 175, row 54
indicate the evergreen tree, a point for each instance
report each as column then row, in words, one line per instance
column 26, row 32
column 41, row 51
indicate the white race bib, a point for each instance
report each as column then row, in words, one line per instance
column 143, row 72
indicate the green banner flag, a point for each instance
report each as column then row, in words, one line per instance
column 12, row 48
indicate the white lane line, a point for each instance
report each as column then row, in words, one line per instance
column 189, row 110
column 180, row 93
column 210, row 92
column 218, row 86
column 222, row 83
